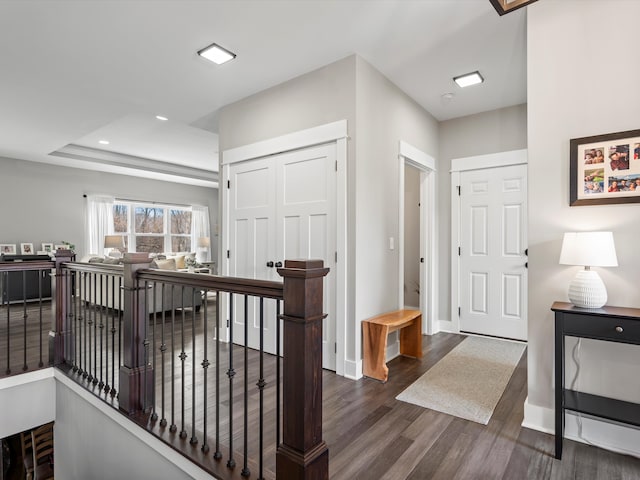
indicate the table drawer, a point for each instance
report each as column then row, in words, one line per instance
column 605, row 328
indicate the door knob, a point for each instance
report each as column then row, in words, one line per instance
column 278, row 264
column 270, row 264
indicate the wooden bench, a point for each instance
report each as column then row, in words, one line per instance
column 375, row 332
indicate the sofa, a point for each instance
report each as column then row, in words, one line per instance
column 176, row 297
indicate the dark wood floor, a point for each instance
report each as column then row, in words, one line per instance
column 373, row 436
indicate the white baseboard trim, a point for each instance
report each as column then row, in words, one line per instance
column 445, row 326
column 353, row 369
column 600, row 433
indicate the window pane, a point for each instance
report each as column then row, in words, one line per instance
column 149, row 220
column 150, row 244
column 180, row 223
column 180, row 244
column 120, row 216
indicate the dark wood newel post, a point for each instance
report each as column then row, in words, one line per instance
column 60, row 338
column 303, row 454
column 134, row 317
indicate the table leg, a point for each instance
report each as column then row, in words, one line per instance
column 559, row 385
column 374, row 351
column 411, row 339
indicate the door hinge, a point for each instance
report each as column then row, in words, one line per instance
column 228, row 183
column 335, row 348
column 459, row 190
column 459, row 251
column 336, row 257
column 459, row 311
column 336, row 165
column 228, row 253
column 227, row 323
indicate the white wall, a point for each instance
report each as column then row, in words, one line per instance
column 44, row 203
column 496, row 131
column 582, row 81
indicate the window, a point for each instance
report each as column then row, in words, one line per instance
column 152, row 228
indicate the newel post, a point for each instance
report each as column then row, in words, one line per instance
column 303, row 453
column 134, row 371
column 60, row 338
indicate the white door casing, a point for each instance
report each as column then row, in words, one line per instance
column 282, row 207
column 489, row 243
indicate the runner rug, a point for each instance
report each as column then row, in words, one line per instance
column 469, row 381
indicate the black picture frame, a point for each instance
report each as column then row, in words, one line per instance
column 603, row 167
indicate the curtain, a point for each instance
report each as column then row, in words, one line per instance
column 99, row 222
column 200, row 229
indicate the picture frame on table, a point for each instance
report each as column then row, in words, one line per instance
column 62, row 247
column 47, row 248
column 8, row 248
column 605, row 169
column 27, row 249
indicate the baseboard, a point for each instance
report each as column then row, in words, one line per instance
column 353, row 369
column 445, row 326
column 610, row 436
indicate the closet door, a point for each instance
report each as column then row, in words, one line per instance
column 281, row 208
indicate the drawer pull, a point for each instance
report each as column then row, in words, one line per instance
column 619, row 329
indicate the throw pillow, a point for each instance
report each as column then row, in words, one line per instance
column 168, row 264
column 96, row 260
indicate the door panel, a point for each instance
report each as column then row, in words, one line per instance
column 493, row 279
column 284, row 207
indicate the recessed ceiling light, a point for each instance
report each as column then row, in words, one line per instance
column 468, row 79
column 216, row 54
column 103, row 142
column 160, row 117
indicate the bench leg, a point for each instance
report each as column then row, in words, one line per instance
column 411, row 339
column 374, row 351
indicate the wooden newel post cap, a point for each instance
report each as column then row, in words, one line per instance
column 303, row 281
column 134, row 258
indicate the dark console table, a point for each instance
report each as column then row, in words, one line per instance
column 18, row 286
column 610, row 324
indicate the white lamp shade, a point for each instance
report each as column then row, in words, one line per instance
column 204, row 242
column 113, row 241
column 593, row 249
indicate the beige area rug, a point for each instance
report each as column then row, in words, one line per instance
column 469, row 381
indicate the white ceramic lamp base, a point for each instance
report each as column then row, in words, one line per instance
column 587, row 290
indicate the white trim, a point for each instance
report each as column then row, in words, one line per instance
column 24, row 378
column 610, row 436
column 353, row 369
column 326, row 133
column 410, row 155
column 335, row 132
column 491, row 160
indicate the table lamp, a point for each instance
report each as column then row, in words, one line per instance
column 114, row 242
column 203, row 244
column 588, row 249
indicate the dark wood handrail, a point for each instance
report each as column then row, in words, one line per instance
column 26, row 265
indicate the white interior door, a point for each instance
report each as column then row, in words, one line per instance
column 493, row 275
column 283, row 207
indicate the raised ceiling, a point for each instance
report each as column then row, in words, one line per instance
column 77, row 72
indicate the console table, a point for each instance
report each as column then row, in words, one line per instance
column 610, row 324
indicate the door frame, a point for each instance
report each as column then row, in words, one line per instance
column 458, row 165
column 410, row 155
column 335, row 132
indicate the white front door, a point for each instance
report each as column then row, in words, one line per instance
column 493, row 274
column 282, row 208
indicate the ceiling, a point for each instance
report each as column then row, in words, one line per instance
column 76, row 72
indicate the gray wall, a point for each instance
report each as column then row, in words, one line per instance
column 587, row 86
column 44, row 203
column 489, row 132
column 378, row 115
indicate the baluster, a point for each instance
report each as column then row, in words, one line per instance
column 183, row 357
column 110, row 308
column 205, row 365
column 217, row 454
column 231, row 463
column 145, row 343
column 82, row 340
column 194, row 439
column 120, row 318
column 91, row 307
column 8, row 286
column 25, row 316
column 245, row 468
column 102, row 302
column 154, row 414
column 173, row 426
column 96, row 306
column 40, row 363
column 278, row 409
column 77, row 310
column 163, row 349
column 261, row 384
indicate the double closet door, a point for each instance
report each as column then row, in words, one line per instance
column 282, row 207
